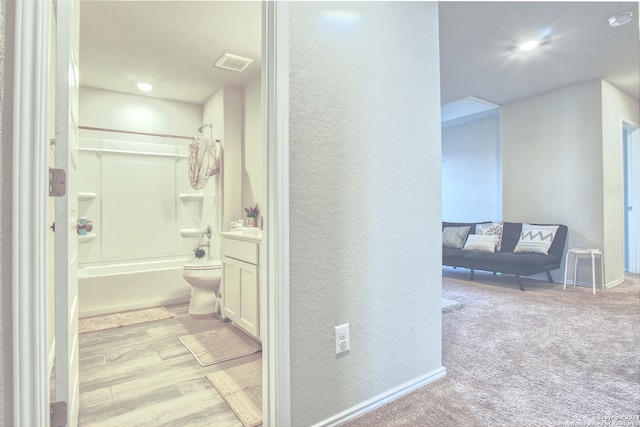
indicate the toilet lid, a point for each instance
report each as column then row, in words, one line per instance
column 208, row 264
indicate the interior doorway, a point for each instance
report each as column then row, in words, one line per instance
column 631, row 155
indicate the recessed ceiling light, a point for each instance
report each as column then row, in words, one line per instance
column 620, row 19
column 528, row 45
column 145, row 87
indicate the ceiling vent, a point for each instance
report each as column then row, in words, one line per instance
column 233, row 62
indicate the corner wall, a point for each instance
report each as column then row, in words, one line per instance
column 365, row 204
column 562, row 163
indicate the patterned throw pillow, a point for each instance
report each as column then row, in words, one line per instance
column 494, row 228
column 536, row 238
column 481, row 243
column 454, row 237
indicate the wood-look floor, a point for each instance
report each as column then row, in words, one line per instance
column 142, row 375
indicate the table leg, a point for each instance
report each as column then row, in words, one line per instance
column 566, row 267
column 602, row 269
column 593, row 271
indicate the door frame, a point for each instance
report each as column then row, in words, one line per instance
column 632, row 178
column 30, row 192
column 276, row 396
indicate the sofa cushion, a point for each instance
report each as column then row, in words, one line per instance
column 454, row 237
column 536, row 238
column 472, row 225
column 452, row 255
column 481, row 243
column 502, row 260
column 491, row 228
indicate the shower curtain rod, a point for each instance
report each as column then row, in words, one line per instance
column 136, row 133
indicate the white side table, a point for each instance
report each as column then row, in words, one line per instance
column 579, row 252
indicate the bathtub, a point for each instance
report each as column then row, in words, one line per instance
column 113, row 288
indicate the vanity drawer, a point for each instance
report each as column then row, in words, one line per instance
column 241, row 250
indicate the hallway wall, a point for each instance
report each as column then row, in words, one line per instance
column 365, row 203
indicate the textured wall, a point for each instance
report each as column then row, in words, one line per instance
column 365, row 201
column 552, row 162
column 472, row 171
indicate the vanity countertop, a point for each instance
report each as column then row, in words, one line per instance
column 253, row 234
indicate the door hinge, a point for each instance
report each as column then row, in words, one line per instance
column 57, row 182
column 59, row 414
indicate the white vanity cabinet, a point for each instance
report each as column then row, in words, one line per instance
column 240, row 286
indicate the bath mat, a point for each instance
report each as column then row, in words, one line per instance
column 450, row 305
column 118, row 320
column 241, row 388
column 218, row 345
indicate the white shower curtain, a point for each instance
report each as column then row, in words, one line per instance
column 204, row 161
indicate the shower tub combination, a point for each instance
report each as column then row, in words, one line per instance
column 120, row 287
column 147, row 220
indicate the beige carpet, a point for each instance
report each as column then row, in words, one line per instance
column 218, row 345
column 241, row 388
column 118, row 320
column 542, row 357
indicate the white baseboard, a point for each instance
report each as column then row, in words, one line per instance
column 613, row 283
column 383, row 398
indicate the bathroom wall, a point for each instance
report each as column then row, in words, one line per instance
column 364, row 204
column 224, row 110
column 252, row 145
column 102, row 108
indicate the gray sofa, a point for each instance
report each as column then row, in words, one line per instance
column 505, row 260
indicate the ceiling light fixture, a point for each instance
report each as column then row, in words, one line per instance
column 529, row 45
column 145, row 87
column 620, row 19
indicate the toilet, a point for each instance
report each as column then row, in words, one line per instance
column 204, row 277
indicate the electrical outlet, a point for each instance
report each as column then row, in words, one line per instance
column 342, row 338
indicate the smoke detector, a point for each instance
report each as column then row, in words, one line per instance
column 233, row 62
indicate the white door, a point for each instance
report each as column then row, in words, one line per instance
column 66, row 239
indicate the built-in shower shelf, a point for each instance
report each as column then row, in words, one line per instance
column 86, row 237
column 191, row 232
column 86, row 196
column 191, row 197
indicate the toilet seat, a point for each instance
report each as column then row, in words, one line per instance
column 203, row 265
